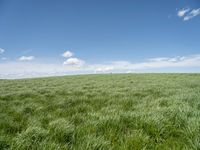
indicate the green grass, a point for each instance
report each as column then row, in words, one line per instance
column 97, row 112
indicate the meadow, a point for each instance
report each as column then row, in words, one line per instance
column 101, row 112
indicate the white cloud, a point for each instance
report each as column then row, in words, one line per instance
column 182, row 12
column 104, row 69
column 67, row 54
column 74, row 62
column 192, row 14
column 151, row 64
column 2, row 50
column 76, row 66
column 187, row 13
column 15, row 70
column 26, row 58
column 158, row 59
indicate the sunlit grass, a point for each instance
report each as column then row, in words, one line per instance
column 116, row 111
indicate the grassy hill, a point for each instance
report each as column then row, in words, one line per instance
column 92, row 112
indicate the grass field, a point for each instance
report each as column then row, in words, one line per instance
column 93, row 112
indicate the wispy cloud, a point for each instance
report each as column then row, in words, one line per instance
column 187, row 13
column 26, row 58
column 182, row 12
column 2, row 50
column 166, row 62
column 67, row 54
column 14, row 70
column 77, row 66
column 192, row 14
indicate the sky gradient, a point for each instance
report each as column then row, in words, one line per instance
column 48, row 37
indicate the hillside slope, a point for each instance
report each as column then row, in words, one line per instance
column 115, row 111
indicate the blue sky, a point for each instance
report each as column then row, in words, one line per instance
column 102, row 36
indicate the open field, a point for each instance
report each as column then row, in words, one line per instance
column 90, row 112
